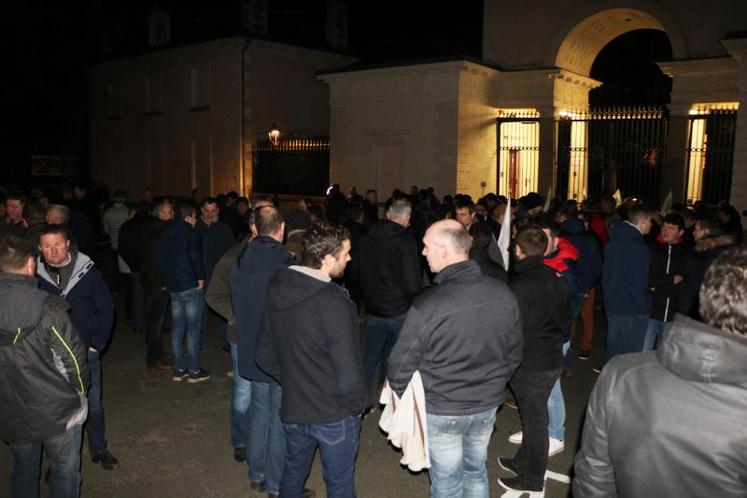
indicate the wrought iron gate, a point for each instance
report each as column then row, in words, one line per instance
column 612, row 148
column 294, row 166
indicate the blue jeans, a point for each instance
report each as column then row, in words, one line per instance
column 63, row 453
column 242, row 393
column 654, row 332
column 625, row 334
column 556, row 407
column 458, row 447
column 267, row 448
column 186, row 315
column 381, row 335
column 95, row 423
column 338, row 447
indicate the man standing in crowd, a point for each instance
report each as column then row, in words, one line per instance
column 42, row 357
column 464, row 213
column 625, row 283
column 670, row 423
column 316, row 358
column 130, row 241
column 249, row 279
column 12, row 224
column 540, row 368
column 389, row 273
column 667, row 272
column 464, row 368
column 73, row 276
column 217, row 238
column 371, row 206
column 180, row 263
column 156, row 296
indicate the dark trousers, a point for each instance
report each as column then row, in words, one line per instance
column 532, row 389
column 381, row 335
column 95, row 427
column 156, row 303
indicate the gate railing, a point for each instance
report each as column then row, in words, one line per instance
column 710, row 154
column 296, row 166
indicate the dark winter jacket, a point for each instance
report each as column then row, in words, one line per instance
column 217, row 238
column 218, row 295
column 698, row 261
column 388, row 269
column 249, row 278
column 43, row 371
column 543, row 325
column 488, row 266
column 91, row 306
column 669, row 423
column 150, row 275
column 180, row 256
column 310, row 346
column 464, row 336
column 588, row 266
column 667, row 260
column 625, row 271
column 131, row 235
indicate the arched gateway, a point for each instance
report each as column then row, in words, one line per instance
column 462, row 125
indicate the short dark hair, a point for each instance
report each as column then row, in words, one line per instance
column 186, row 210
column 724, row 292
column 15, row 253
column 268, row 220
column 52, row 229
column 209, row 200
column 532, row 241
column 320, row 240
column 674, row 219
column 16, row 196
column 638, row 212
column 33, row 212
column 242, row 199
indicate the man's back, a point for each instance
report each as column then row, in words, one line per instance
column 389, row 269
column 669, row 423
column 625, row 271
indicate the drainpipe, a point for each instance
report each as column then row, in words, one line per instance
column 242, row 166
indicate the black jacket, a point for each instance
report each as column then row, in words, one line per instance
column 180, row 256
column 150, row 275
column 131, row 235
column 669, row 423
column 667, row 260
column 388, row 269
column 542, row 295
column 43, row 370
column 310, row 346
column 698, row 260
column 464, row 336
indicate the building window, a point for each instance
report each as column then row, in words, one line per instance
column 159, row 27
column 200, row 88
column 114, row 99
column 518, row 151
column 153, row 95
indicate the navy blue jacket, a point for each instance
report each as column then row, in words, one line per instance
column 625, row 271
column 217, row 238
column 588, row 266
column 249, row 279
column 180, row 256
column 91, row 306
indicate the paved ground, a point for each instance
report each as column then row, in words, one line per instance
column 172, row 439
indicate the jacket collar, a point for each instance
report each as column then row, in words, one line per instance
column 462, row 269
column 82, row 265
column 18, row 279
column 528, row 263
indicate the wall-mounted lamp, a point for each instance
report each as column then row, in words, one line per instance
column 274, row 134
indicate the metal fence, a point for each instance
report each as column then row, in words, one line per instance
column 518, row 152
column 294, row 166
column 607, row 149
column 710, row 155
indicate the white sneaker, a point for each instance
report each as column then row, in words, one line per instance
column 516, row 437
column 555, row 447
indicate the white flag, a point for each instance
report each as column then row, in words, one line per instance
column 667, row 205
column 547, row 200
column 504, row 238
column 618, row 197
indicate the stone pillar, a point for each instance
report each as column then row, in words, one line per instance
column 547, row 151
column 738, row 49
column 675, row 165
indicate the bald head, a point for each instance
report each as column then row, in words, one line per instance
column 446, row 242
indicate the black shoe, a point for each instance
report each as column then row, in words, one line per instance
column 179, row 375
column 584, row 355
column 507, row 464
column 106, row 459
column 516, row 484
column 257, row 486
column 239, row 454
column 198, row 376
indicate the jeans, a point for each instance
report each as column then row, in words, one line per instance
column 338, row 447
column 186, row 313
column 95, row 423
column 458, row 447
column 156, row 303
column 625, row 334
column 381, row 335
column 532, row 391
column 137, row 313
column 242, row 393
column 654, row 332
column 63, row 453
column 556, row 407
column 267, row 448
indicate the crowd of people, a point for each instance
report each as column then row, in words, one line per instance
column 475, row 299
